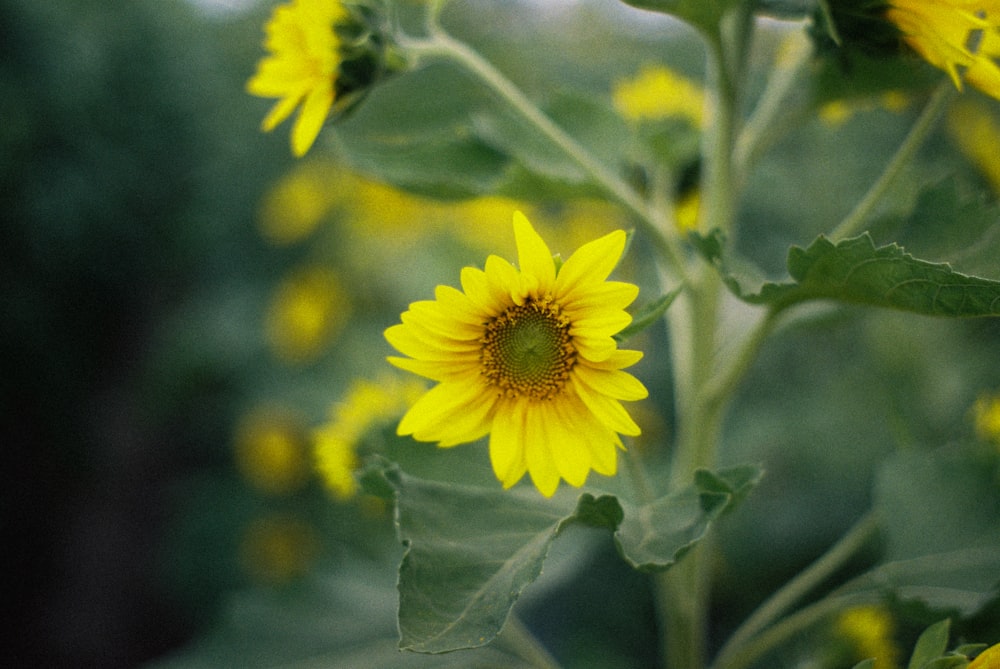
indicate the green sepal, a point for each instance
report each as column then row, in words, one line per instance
column 648, row 314
column 931, row 644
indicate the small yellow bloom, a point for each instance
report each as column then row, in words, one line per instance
column 658, row 93
column 527, row 355
column 302, row 67
column 270, row 450
column 278, row 548
column 307, row 310
column 988, row 659
column 976, row 130
column 365, row 404
column 870, row 630
column 986, row 414
column 296, row 204
column 957, row 36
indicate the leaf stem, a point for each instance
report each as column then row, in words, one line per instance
column 441, row 44
column 746, row 635
column 852, row 224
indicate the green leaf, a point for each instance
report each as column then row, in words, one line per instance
column 654, row 536
column 947, row 662
column 786, row 9
column 941, row 514
column 470, row 551
column 704, row 14
column 931, row 644
column 865, row 664
column 855, row 271
column 649, row 314
column 735, row 481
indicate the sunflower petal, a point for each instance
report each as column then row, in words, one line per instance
column 533, row 255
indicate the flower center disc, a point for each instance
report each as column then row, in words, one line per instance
column 527, row 350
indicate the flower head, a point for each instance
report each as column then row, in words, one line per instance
column 988, row 659
column 527, row 356
column 302, row 67
column 365, row 404
column 958, row 36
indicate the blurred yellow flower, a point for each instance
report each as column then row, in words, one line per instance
column 527, row 356
column 295, row 204
column 988, row 659
column 308, row 308
column 301, row 68
column 957, row 36
column 986, row 415
column 837, row 112
column 657, row 93
column 277, row 548
column 870, row 630
column 270, row 450
column 976, row 131
column 365, row 404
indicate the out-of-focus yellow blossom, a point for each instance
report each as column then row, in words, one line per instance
column 270, row 450
column 657, row 93
column 366, row 404
column 302, row 67
column 870, row 630
column 976, row 131
column 297, row 202
column 986, row 415
column 957, row 36
column 988, row 659
column 686, row 211
column 837, row 112
column 307, row 310
column 278, row 548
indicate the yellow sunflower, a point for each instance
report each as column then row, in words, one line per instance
column 958, row 36
column 302, row 67
column 527, row 355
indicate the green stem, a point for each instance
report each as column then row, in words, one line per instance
column 683, row 592
column 792, row 57
column 781, row 601
column 525, row 645
column 854, row 221
column 442, row 45
column 795, row 624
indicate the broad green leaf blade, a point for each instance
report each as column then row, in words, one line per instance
column 941, row 514
column 735, row 481
column 653, row 537
column 855, row 271
column 470, row 552
column 931, row 644
column 787, row 9
column 704, row 14
column 649, row 314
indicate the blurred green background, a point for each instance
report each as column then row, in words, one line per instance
column 167, row 298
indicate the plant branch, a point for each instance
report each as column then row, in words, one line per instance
column 442, row 45
column 854, row 221
column 793, row 591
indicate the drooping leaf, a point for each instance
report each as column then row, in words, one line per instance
column 941, row 514
column 704, row 14
column 856, row 271
column 471, row 551
column 653, row 536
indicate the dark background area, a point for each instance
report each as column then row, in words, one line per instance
column 130, row 169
